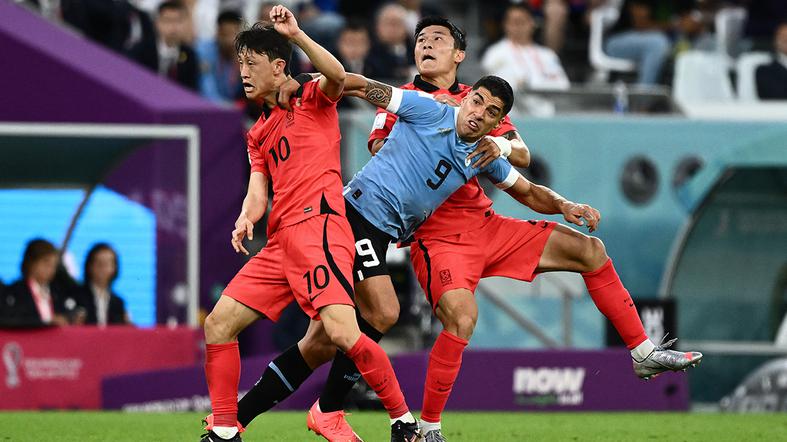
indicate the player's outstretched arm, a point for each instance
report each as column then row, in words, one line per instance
column 544, row 200
column 333, row 75
column 254, row 206
column 375, row 92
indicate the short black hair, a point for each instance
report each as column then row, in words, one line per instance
column 36, row 250
column 263, row 39
column 521, row 6
column 498, row 88
column 460, row 40
column 171, row 4
column 229, row 16
column 356, row 25
column 91, row 256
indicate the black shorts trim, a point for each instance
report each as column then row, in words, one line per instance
column 371, row 246
column 428, row 263
column 332, row 263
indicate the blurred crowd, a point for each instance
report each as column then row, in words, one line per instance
column 46, row 295
column 534, row 44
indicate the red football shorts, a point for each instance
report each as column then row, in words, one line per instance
column 309, row 261
column 502, row 247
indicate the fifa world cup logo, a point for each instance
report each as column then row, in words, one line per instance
column 12, row 359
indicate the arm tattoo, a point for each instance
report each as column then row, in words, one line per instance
column 511, row 135
column 378, row 93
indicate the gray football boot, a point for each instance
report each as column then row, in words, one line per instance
column 434, row 436
column 662, row 359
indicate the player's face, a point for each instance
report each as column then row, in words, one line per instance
column 435, row 53
column 257, row 74
column 479, row 113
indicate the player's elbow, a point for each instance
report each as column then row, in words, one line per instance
column 337, row 76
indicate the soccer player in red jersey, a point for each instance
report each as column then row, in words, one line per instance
column 463, row 241
column 450, row 257
column 310, row 250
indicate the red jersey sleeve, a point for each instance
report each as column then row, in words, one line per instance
column 383, row 124
column 505, row 127
column 313, row 94
column 256, row 159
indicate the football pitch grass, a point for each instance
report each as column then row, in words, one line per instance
column 67, row 426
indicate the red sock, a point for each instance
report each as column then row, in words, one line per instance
column 614, row 301
column 376, row 369
column 222, row 370
column 444, row 362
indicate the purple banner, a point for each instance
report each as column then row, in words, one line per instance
column 597, row 380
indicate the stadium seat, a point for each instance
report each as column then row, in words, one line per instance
column 729, row 23
column 746, row 67
column 601, row 19
column 701, row 76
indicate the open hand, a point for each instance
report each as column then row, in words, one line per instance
column 243, row 227
column 576, row 213
column 486, row 151
column 284, row 21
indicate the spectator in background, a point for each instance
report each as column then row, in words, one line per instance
column 32, row 301
column 219, row 79
column 764, row 17
column 692, row 32
column 521, row 62
column 638, row 36
column 102, row 305
column 352, row 48
column 415, row 10
column 555, row 20
column 322, row 26
column 170, row 57
column 391, row 54
column 772, row 78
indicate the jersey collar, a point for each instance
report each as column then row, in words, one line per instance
column 425, row 86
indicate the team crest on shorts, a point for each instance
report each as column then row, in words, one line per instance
column 445, row 277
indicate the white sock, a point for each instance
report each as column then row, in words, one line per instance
column 429, row 426
column 643, row 350
column 225, row 432
column 406, row 418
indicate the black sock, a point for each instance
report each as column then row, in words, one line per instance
column 282, row 377
column 344, row 374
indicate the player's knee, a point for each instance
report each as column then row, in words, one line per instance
column 595, row 254
column 317, row 351
column 384, row 317
column 341, row 337
column 465, row 324
column 217, row 330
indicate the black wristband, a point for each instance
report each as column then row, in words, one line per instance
column 303, row 78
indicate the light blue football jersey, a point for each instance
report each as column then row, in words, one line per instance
column 423, row 162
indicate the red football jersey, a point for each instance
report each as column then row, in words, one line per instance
column 469, row 203
column 299, row 152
